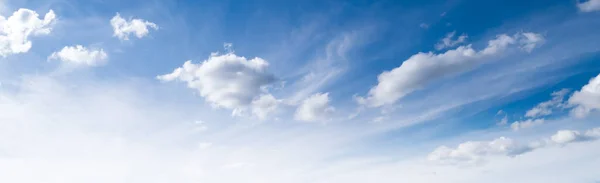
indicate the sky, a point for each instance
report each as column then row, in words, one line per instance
column 299, row 91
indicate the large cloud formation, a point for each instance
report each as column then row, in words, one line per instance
column 423, row 68
column 228, row 81
column 16, row 30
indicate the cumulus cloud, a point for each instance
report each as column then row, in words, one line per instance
column 517, row 125
column 265, row 105
column 546, row 108
column 589, row 6
column 314, row 108
column 448, row 42
column 124, row 28
column 228, row 81
column 587, row 99
column 476, row 152
column 16, row 30
column 80, row 55
column 423, row 68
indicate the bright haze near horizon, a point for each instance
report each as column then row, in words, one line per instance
column 299, row 91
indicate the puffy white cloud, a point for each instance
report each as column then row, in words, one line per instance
column 476, row 152
column 545, row 108
column 138, row 27
column 589, row 6
column 16, row 30
column 517, row 125
column 264, row 106
column 227, row 81
column 80, row 55
column 423, row 68
column 447, row 41
column 314, row 108
column 587, row 99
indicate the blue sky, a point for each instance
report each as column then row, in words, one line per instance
column 299, row 91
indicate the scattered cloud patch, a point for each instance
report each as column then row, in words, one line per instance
column 314, row 108
column 80, row 55
column 16, row 30
column 124, row 28
column 423, row 68
column 228, row 81
column 526, row 124
column 587, row 99
column 547, row 107
column 449, row 42
column 476, row 152
column 589, row 6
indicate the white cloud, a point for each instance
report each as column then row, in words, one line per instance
column 79, row 55
column 138, row 27
column 423, row 68
column 227, row 81
column 447, row 41
column 587, row 99
column 526, row 124
column 314, row 108
column 16, row 30
column 530, row 41
column 546, row 108
column 476, row 152
column 473, row 152
column 589, row 6
column 264, row 106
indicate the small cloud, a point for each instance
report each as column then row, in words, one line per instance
column 123, row 28
column 424, row 25
column 448, row 42
column 80, row 55
column 314, row 108
column 589, row 6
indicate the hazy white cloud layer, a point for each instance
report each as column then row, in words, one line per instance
column 16, row 30
column 107, row 132
column 124, row 28
column 80, row 55
column 422, row 68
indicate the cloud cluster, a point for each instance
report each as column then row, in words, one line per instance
column 589, row 5
column 447, row 41
column 587, row 99
column 476, row 152
column 228, row 81
column 80, row 55
column 124, row 28
column 314, row 108
column 16, row 30
column 423, row 68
